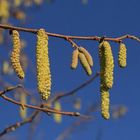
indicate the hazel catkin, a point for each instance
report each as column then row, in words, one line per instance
column 15, row 55
column 57, row 117
column 106, row 64
column 105, row 103
column 87, row 55
column 74, row 62
column 43, row 65
column 122, row 55
column 85, row 63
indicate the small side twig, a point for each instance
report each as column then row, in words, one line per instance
column 73, row 91
column 72, row 43
column 10, row 89
column 19, row 124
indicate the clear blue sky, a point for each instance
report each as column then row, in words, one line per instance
column 112, row 18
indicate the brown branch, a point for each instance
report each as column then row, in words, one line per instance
column 49, row 110
column 10, row 89
column 19, row 124
column 64, row 135
column 62, row 95
column 72, row 43
column 96, row 38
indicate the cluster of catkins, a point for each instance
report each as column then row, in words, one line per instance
column 42, row 61
column 85, row 59
column 106, row 69
column 80, row 53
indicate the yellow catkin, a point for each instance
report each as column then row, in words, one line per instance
column 57, row 117
column 105, row 103
column 85, row 63
column 43, row 65
column 87, row 55
column 4, row 8
column 122, row 55
column 15, row 55
column 17, row 3
column 23, row 109
column 106, row 64
column 74, row 62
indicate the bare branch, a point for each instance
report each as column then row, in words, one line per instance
column 66, row 37
column 10, row 89
column 19, row 124
column 73, row 91
column 49, row 110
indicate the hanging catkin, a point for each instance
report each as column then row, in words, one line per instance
column 87, row 55
column 106, row 64
column 74, row 62
column 43, row 65
column 57, row 117
column 15, row 55
column 122, row 55
column 85, row 63
column 105, row 103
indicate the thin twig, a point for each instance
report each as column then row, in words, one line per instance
column 73, row 91
column 10, row 89
column 72, row 43
column 49, row 110
column 96, row 38
column 80, row 121
column 19, row 124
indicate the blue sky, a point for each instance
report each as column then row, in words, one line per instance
column 112, row 18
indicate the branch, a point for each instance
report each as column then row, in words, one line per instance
column 48, row 110
column 62, row 95
column 66, row 37
column 19, row 124
column 64, row 135
column 10, row 89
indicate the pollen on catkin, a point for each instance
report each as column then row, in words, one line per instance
column 106, row 64
column 85, row 63
column 15, row 55
column 122, row 55
column 105, row 103
column 57, row 117
column 74, row 62
column 43, row 65
column 87, row 55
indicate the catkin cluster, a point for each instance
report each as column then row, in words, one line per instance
column 106, row 77
column 85, row 59
column 122, row 55
column 15, row 55
column 57, row 117
column 43, row 65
